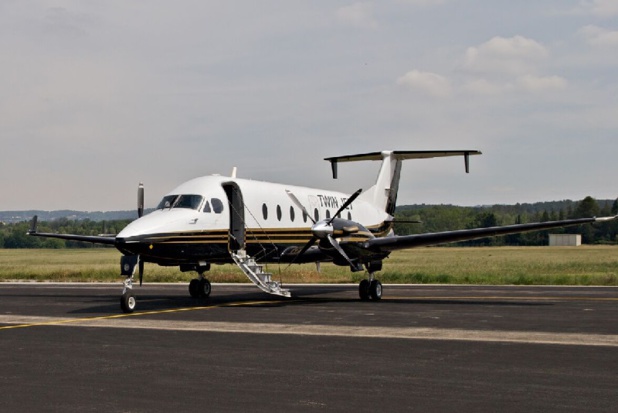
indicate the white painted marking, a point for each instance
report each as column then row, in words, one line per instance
column 408, row 333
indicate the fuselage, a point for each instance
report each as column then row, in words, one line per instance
column 203, row 219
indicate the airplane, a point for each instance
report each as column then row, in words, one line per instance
column 227, row 220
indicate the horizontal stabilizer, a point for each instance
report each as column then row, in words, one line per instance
column 400, row 156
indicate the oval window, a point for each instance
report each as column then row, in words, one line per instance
column 327, row 214
column 292, row 214
column 279, row 213
column 316, row 215
column 265, row 211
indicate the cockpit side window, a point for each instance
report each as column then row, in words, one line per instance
column 207, row 207
column 217, row 205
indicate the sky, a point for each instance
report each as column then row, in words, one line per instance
column 98, row 96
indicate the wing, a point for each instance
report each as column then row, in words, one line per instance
column 422, row 240
column 100, row 239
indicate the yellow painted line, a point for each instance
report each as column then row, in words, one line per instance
column 527, row 298
column 62, row 321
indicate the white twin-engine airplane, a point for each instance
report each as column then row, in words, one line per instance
column 217, row 220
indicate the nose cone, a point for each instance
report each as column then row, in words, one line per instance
column 321, row 229
column 157, row 222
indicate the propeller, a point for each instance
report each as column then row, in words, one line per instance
column 140, row 213
column 324, row 229
column 140, row 200
column 141, row 270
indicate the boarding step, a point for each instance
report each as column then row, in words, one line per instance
column 256, row 274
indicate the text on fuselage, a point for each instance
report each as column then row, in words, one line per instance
column 328, row 201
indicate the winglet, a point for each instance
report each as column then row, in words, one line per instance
column 33, row 225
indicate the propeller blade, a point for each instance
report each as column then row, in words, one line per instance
column 298, row 204
column 340, row 250
column 302, row 251
column 140, row 200
column 345, row 205
column 141, row 271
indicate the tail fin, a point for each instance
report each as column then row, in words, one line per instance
column 384, row 193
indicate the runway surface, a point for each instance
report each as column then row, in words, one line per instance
column 67, row 347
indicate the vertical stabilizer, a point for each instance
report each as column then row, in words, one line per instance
column 384, row 193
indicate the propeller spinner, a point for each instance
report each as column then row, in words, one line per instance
column 324, row 229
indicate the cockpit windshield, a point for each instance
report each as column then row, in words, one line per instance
column 181, row 201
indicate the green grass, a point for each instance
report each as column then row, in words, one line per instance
column 585, row 265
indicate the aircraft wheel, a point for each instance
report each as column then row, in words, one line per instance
column 204, row 288
column 128, row 302
column 363, row 290
column 375, row 290
column 194, row 288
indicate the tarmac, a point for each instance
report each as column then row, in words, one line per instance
column 68, row 347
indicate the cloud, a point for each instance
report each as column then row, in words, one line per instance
column 358, row 15
column 599, row 8
column 533, row 83
column 598, row 36
column 515, row 55
column 429, row 83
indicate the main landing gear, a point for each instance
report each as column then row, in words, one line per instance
column 200, row 287
column 370, row 289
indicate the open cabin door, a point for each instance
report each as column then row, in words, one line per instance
column 236, row 235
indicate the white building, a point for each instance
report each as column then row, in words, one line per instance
column 565, row 240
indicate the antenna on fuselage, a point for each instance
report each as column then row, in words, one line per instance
column 234, row 170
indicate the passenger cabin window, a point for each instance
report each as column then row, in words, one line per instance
column 265, row 211
column 316, row 215
column 327, row 214
column 292, row 214
column 181, row 201
column 279, row 213
column 217, row 205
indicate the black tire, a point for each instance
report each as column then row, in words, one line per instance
column 128, row 302
column 204, row 288
column 363, row 290
column 194, row 288
column 375, row 290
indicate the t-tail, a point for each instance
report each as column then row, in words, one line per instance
column 384, row 193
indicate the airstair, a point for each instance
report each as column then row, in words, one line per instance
column 256, row 274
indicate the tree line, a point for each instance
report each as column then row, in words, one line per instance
column 15, row 235
column 437, row 218
column 432, row 218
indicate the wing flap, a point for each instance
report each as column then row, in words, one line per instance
column 422, row 240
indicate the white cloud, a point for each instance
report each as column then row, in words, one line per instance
column 599, row 8
column 515, row 55
column 533, row 83
column 426, row 82
column 598, row 36
column 358, row 15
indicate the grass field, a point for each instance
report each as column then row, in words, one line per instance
column 585, row 265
